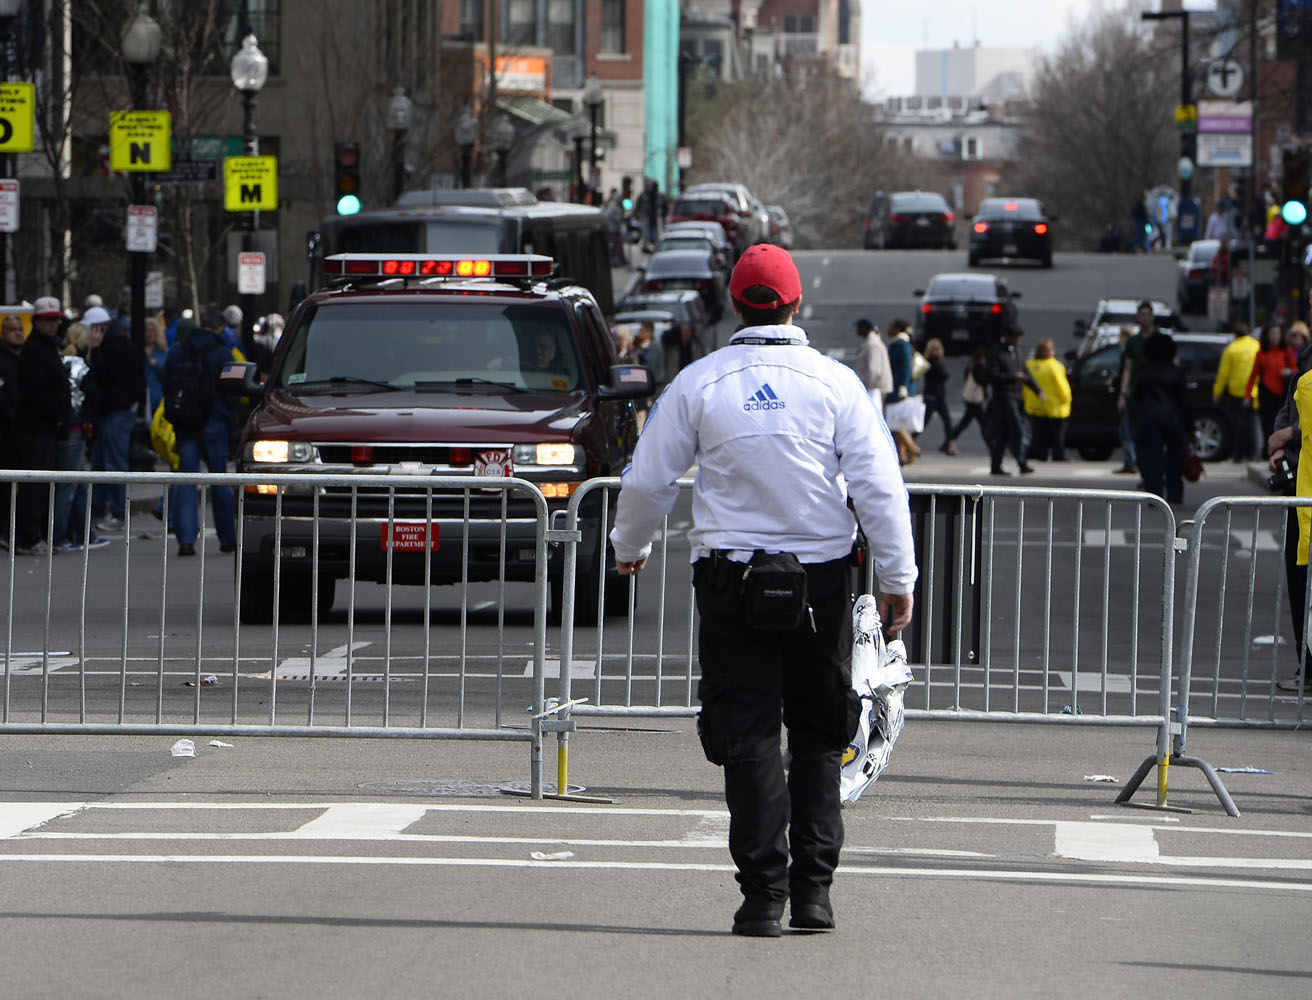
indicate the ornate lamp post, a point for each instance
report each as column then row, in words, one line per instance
column 466, row 131
column 503, row 138
column 141, row 44
column 250, row 69
column 593, row 98
column 400, row 112
column 578, row 131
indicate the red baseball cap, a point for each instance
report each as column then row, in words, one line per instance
column 768, row 265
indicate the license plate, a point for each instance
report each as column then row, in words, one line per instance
column 960, row 334
column 407, row 536
column 1010, row 249
column 922, row 222
column 959, row 311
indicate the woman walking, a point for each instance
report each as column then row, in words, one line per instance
column 1274, row 363
column 1049, row 414
column 935, row 390
column 974, row 394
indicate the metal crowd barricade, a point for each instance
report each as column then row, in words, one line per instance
column 1235, row 611
column 997, row 566
column 87, row 645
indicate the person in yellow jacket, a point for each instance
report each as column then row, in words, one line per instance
column 1303, row 470
column 1231, row 390
column 1048, row 414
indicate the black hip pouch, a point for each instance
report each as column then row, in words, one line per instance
column 774, row 591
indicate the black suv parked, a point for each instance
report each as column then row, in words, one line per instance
column 410, row 365
column 1094, row 422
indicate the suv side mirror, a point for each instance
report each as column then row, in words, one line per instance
column 918, row 292
column 240, row 378
column 628, row 382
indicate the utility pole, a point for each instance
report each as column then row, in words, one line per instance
column 1188, row 136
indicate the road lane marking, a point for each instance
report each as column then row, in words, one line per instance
column 1106, row 842
column 17, row 817
column 376, row 821
column 578, row 669
column 998, row 875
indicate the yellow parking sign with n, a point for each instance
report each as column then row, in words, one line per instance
column 140, row 141
column 17, row 117
column 250, row 183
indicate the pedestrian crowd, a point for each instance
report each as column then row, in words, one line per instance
column 74, row 387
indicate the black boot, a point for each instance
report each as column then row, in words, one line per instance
column 759, row 918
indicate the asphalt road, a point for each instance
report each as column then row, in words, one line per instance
column 988, row 861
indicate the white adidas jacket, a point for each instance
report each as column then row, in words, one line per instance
column 782, row 435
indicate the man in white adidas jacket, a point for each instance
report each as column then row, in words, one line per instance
column 782, row 437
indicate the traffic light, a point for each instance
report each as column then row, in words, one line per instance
column 1294, row 187
column 346, row 161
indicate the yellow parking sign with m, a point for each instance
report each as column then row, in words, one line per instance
column 250, row 183
column 140, row 141
column 17, row 117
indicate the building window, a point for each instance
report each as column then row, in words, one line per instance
column 521, row 22
column 471, row 19
column 909, row 144
column 612, row 27
column 713, row 54
column 560, row 27
column 973, row 148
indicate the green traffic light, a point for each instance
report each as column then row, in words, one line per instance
column 348, row 204
column 627, row 204
column 1294, row 212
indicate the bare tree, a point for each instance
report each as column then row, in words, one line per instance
column 815, row 149
column 1101, row 127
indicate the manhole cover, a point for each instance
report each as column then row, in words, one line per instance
column 461, row 788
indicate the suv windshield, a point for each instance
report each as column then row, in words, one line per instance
column 917, row 203
column 961, row 286
column 701, row 206
column 417, row 344
column 1010, row 208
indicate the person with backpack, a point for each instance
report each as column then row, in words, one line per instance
column 199, row 414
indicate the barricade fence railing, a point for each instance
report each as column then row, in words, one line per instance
column 133, row 639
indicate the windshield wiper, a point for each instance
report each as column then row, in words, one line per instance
column 511, row 386
column 350, row 380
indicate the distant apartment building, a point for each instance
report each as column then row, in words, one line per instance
column 731, row 39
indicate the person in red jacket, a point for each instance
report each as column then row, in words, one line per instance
column 1271, row 370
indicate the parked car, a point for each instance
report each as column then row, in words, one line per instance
column 912, row 219
column 682, row 305
column 1196, row 276
column 712, row 206
column 750, row 211
column 1095, row 383
column 1011, row 229
column 781, row 229
column 712, row 230
column 699, row 241
column 965, row 311
column 695, row 269
column 1109, row 315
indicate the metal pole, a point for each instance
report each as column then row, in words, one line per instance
column 251, row 144
column 137, row 275
column 1253, row 173
column 398, row 164
column 466, row 154
column 1189, row 139
column 592, row 151
column 578, row 165
column 5, row 25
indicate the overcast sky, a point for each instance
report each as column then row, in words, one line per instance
column 892, row 31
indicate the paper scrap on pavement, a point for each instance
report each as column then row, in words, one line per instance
column 183, row 748
column 553, row 856
column 1100, row 777
column 1245, row 770
column 219, row 743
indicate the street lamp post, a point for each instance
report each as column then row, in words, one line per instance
column 578, row 131
column 8, row 11
column 250, row 69
column 141, row 44
column 503, row 138
column 466, row 136
column 593, row 97
column 1189, row 137
column 400, row 112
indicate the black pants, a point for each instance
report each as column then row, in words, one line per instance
column 1049, row 437
column 1008, row 429
column 35, row 451
column 750, row 677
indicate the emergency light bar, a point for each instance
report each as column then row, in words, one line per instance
column 381, row 265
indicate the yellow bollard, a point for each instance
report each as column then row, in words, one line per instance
column 562, row 764
column 1163, row 766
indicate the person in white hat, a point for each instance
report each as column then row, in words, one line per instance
column 44, row 405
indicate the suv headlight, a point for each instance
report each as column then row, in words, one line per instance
column 547, row 453
column 280, row 452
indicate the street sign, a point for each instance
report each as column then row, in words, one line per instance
column 1186, row 117
column 1225, row 149
column 1225, row 116
column 154, row 290
column 250, row 183
column 188, row 172
column 8, row 206
column 140, row 141
column 17, row 117
column 684, row 157
column 250, row 274
column 141, row 231
column 1225, row 77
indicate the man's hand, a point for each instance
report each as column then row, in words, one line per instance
column 1279, row 440
column 1120, row 405
column 1276, row 455
column 895, row 610
column 630, row 568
